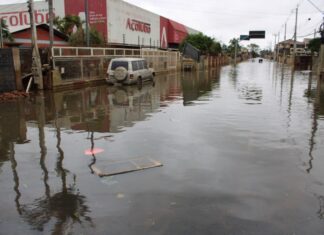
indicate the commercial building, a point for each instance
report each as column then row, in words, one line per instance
column 121, row 23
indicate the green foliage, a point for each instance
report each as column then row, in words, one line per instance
column 67, row 24
column 205, row 44
column 254, row 49
column 71, row 26
column 5, row 31
column 315, row 44
column 96, row 39
column 77, row 39
column 231, row 47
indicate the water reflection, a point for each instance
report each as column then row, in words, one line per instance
column 235, row 140
column 66, row 206
column 198, row 84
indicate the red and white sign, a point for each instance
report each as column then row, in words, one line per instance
column 16, row 16
column 138, row 26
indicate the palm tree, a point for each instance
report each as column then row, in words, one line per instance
column 6, row 35
column 68, row 23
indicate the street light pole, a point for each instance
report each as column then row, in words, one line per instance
column 36, row 62
column 278, row 58
column 275, row 47
column 235, row 52
column 51, row 19
column 86, row 6
column 295, row 38
column 1, row 35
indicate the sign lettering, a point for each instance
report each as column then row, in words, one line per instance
column 138, row 26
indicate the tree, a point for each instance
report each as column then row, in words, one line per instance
column 315, row 44
column 71, row 26
column 205, row 44
column 5, row 31
column 254, row 49
column 68, row 24
column 231, row 47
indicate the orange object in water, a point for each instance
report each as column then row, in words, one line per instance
column 93, row 151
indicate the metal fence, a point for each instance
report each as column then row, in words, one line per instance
column 83, row 63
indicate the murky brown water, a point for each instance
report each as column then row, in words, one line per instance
column 242, row 150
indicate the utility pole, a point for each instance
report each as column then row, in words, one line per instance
column 51, row 19
column 274, row 49
column 1, row 35
column 235, row 52
column 278, row 47
column 321, row 67
column 295, row 38
column 86, row 6
column 36, row 63
column 284, row 44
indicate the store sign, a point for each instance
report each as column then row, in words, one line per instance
column 138, row 26
column 21, row 18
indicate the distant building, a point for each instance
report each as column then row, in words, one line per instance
column 287, row 47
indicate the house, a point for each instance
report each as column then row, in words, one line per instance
column 287, row 47
column 22, row 37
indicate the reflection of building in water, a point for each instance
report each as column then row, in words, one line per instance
column 12, row 127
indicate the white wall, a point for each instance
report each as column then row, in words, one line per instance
column 119, row 13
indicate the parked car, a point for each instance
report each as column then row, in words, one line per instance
column 129, row 71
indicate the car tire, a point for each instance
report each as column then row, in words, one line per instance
column 120, row 74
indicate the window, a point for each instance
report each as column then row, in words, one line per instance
column 140, row 64
column 116, row 64
column 135, row 65
column 145, row 64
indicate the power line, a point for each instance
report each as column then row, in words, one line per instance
column 315, row 6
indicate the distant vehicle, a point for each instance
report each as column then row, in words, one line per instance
column 129, row 71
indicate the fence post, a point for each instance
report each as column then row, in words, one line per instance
column 17, row 68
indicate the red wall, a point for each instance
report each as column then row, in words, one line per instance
column 164, row 25
column 97, row 12
column 42, row 34
column 175, row 32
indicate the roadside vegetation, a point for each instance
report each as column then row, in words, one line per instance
column 210, row 46
column 5, row 31
column 71, row 26
column 315, row 45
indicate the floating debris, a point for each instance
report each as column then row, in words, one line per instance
column 9, row 96
column 93, row 151
column 125, row 166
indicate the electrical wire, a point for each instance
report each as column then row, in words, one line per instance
column 315, row 6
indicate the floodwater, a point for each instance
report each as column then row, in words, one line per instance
column 242, row 152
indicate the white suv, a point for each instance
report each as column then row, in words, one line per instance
column 129, row 71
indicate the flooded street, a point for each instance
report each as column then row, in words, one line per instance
column 242, row 153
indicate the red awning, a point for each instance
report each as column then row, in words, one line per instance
column 178, row 26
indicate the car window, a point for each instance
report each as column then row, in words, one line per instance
column 116, row 64
column 135, row 65
column 145, row 64
column 140, row 64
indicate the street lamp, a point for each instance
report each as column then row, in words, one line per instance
column 1, row 34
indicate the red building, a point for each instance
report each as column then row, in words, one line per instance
column 23, row 37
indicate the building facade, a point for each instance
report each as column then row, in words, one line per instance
column 120, row 23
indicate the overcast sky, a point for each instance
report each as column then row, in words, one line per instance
column 226, row 19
